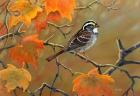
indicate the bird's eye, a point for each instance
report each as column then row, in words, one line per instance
column 90, row 26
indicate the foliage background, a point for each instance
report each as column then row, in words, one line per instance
column 123, row 23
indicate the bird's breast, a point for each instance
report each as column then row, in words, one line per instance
column 89, row 44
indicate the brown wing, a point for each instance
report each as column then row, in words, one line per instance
column 78, row 40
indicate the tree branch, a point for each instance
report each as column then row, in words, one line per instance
column 59, row 27
column 56, row 75
column 87, row 6
column 45, row 85
column 3, row 64
column 121, row 62
column 123, row 53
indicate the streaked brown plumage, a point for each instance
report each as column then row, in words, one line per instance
column 82, row 40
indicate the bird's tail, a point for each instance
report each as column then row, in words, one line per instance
column 55, row 55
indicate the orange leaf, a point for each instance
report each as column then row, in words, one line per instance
column 54, row 11
column 41, row 23
column 34, row 40
column 93, row 84
column 28, row 51
column 15, row 77
column 64, row 7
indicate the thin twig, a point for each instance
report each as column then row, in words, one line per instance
column 45, row 85
column 59, row 28
column 67, row 68
column 56, row 75
column 3, row 64
column 89, row 5
column 6, row 47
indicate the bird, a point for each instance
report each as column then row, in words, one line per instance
column 84, row 39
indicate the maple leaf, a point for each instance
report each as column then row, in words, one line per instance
column 93, row 84
column 28, row 51
column 22, row 11
column 64, row 7
column 41, row 23
column 54, row 11
column 15, row 77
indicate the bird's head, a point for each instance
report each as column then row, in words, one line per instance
column 91, row 26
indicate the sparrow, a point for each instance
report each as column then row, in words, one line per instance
column 84, row 39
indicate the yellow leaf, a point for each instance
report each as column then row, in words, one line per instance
column 22, row 11
column 93, row 84
column 15, row 77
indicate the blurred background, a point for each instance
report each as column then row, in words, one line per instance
column 123, row 23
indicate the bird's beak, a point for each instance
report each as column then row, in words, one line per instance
column 97, row 25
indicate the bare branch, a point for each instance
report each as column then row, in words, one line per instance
column 87, row 6
column 16, row 32
column 3, row 64
column 65, row 67
column 120, row 45
column 9, row 35
column 136, row 77
column 133, row 48
column 110, row 6
column 131, row 88
column 56, row 75
column 45, row 85
column 132, row 62
column 59, row 28
column 123, row 53
column 121, row 61
column 6, row 48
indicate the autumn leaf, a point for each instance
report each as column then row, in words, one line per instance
column 54, row 11
column 34, row 40
column 22, row 11
column 15, row 77
column 28, row 51
column 41, row 23
column 64, row 7
column 93, row 84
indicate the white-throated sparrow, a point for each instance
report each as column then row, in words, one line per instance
column 82, row 40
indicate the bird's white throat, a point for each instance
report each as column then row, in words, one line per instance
column 95, row 30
